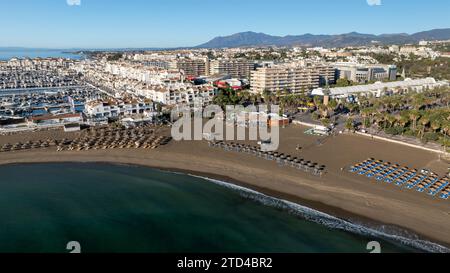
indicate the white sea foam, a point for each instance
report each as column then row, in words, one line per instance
column 382, row 232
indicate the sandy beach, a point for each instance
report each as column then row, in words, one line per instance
column 340, row 193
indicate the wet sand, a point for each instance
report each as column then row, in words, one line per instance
column 338, row 192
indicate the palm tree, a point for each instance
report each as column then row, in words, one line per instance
column 317, row 101
column 419, row 101
column 352, row 107
column 323, row 111
column 445, row 128
column 380, row 119
column 349, row 124
column 414, row 115
column 424, row 120
column 365, row 113
column 402, row 120
column 332, row 104
column 435, row 125
column 266, row 95
column 391, row 120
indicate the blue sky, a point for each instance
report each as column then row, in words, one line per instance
column 172, row 23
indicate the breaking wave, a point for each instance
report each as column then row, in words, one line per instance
column 383, row 232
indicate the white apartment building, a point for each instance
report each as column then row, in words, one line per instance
column 279, row 78
column 179, row 94
column 191, row 67
column 116, row 108
column 236, row 68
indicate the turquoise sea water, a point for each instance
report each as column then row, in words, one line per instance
column 7, row 54
column 121, row 208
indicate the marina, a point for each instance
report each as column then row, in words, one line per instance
column 43, row 101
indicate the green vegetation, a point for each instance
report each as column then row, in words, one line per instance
column 229, row 96
column 343, row 83
column 287, row 102
column 269, row 54
column 115, row 57
column 423, row 115
column 442, row 47
column 416, row 67
column 350, row 124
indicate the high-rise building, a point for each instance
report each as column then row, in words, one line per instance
column 327, row 74
column 235, row 68
column 191, row 67
column 285, row 78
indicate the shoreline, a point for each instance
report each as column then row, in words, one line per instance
column 341, row 214
column 338, row 192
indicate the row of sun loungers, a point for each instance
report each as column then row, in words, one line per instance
column 105, row 138
column 27, row 145
column 403, row 177
column 121, row 141
column 105, row 132
column 280, row 158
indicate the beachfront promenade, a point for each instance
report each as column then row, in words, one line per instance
column 415, row 143
column 402, row 140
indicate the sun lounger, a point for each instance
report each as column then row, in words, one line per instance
column 434, row 191
column 402, row 180
column 415, row 181
column 445, row 194
column 392, row 177
column 378, row 170
column 358, row 166
column 386, row 172
column 427, row 184
column 368, row 168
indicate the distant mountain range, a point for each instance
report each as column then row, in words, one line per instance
column 250, row 38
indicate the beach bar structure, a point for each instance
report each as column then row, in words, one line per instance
column 72, row 127
column 57, row 119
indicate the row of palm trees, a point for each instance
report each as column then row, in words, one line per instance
column 416, row 114
column 287, row 101
column 424, row 115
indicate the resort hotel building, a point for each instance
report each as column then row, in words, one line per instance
column 293, row 78
column 363, row 73
column 191, row 67
column 235, row 68
column 381, row 88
